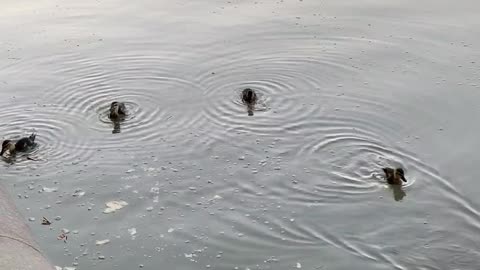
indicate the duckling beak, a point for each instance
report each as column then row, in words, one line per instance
column 403, row 178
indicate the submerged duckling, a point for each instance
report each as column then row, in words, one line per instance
column 249, row 97
column 21, row 145
column 117, row 110
column 394, row 176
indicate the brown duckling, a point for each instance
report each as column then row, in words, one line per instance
column 394, row 176
column 21, row 145
column 117, row 110
column 249, row 97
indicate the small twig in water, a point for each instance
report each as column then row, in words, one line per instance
column 45, row 221
column 63, row 237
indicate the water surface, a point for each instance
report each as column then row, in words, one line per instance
column 345, row 89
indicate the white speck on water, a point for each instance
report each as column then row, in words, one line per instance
column 113, row 206
column 241, row 158
column 58, row 218
column 132, row 232
column 101, row 257
column 47, row 189
column 102, row 242
column 299, row 265
column 171, row 230
column 149, row 209
column 130, row 170
column 31, row 219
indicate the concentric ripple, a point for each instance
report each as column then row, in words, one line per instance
column 290, row 76
column 58, row 129
column 154, row 90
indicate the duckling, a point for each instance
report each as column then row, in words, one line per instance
column 21, row 145
column 394, row 176
column 249, row 97
column 117, row 110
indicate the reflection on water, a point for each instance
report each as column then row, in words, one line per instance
column 398, row 193
column 343, row 90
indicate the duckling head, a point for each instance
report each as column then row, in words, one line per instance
column 32, row 137
column 117, row 110
column 249, row 96
column 394, row 176
column 401, row 174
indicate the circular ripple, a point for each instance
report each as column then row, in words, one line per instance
column 162, row 103
column 292, row 71
column 62, row 135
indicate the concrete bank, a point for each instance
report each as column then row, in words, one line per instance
column 18, row 250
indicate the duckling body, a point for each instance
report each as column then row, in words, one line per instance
column 394, row 176
column 21, row 145
column 249, row 97
column 117, row 110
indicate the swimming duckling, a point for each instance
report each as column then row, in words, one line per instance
column 249, row 97
column 21, row 145
column 394, row 176
column 117, row 110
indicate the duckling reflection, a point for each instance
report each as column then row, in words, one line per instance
column 396, row 177
column 249, row 97
column 118, row 111
column 398, row 192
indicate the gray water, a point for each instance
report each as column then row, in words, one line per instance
column 346, row 88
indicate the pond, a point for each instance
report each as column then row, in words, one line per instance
column 345, row 88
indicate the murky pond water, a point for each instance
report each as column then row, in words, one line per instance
column 344, row 89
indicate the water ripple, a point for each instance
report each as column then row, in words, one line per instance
column 57, row 133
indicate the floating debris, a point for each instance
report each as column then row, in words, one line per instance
column 78, row 193
column 171, row 230
column 113, row 206
column 63, row 237
column 64, row 268
column 132, row 232
column 299, row 265
column 45, row 221
column 102, row 242
column 47, row 189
